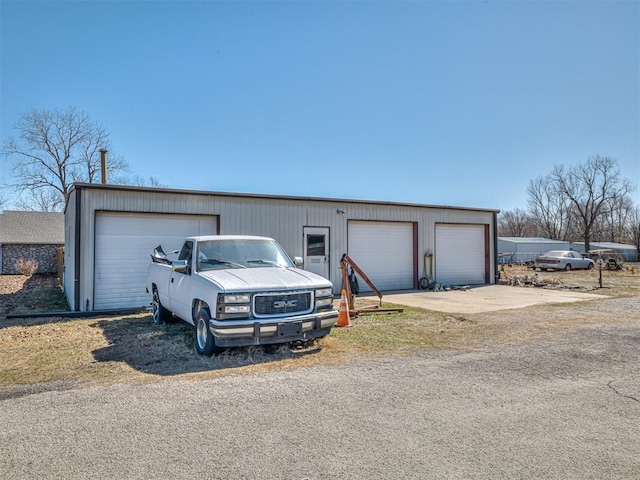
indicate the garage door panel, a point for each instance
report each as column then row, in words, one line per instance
column 123, row 243
column 385, row 252
column 460, row 254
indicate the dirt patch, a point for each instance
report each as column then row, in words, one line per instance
column 21, row 294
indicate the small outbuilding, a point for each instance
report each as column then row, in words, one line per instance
column 110, row 231
column 526, row 249
column 30, row 236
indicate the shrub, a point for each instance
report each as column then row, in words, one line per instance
column 26, row 267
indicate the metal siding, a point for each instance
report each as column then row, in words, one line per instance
column 94, row 201
column 69, row 249
column 540, row 248
column 528, row 251
column 280, row 218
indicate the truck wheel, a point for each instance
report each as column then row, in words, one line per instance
column 205, row 343
column 160, row 314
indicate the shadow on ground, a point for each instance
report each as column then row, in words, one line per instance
column 21, row 294
column 169, row 349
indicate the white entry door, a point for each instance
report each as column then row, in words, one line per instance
column 316, row 250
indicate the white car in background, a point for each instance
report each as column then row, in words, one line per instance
column 563, row 260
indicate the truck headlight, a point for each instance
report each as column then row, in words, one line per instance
column 235, row 298
column 233, row 306
column 324, row 298
column 324, row 292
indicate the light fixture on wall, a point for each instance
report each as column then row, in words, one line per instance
column 340, row 212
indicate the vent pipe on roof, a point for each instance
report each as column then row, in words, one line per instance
column 103, row 164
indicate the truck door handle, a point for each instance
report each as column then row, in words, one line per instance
column 172, row 280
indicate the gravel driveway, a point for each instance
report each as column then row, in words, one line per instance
column 564, row 402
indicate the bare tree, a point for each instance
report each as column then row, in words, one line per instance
column 633, row 228
column 141, row 181
column 548, row 209
column 53, row 149
column 515, row 223
column 41, row 200
column 613, row 224
column 591, row 188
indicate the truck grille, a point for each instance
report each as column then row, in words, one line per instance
column 282, row 303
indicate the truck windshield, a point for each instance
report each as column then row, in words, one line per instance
column 224, row 254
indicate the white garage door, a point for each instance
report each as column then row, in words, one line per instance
column 384, row 251
column 460, row 254
column 123, row 242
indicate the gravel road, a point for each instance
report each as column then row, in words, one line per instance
column 563, row 404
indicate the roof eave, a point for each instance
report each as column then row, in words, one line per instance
column 100, row 186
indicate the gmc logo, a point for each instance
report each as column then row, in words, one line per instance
column 285, row 303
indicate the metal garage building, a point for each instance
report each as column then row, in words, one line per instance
column 627, row 253
column 110, row 231
column 526, row 249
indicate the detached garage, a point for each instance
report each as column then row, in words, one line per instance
column 110, row 230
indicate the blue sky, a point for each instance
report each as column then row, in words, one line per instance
column 431, row 102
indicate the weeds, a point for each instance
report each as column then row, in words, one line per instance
column 26, row 267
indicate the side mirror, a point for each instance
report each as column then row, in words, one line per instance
column 298, row 261
column 179, row 266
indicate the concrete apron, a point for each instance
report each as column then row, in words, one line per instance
column 487, row 298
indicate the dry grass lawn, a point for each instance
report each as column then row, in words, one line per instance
column 617, row 283
column 39, row 354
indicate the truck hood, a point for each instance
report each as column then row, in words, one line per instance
column 264, row 278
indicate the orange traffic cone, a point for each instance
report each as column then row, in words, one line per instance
column 343, row 314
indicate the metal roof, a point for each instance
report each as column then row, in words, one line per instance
column 530, row 240
column 101, row 186
column 31, row 228
column 612, row 245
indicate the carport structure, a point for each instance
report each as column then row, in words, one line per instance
column 111, row 229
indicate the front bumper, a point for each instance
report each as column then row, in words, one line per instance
column 238, row 333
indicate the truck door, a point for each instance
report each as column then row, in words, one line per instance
column 180, row 285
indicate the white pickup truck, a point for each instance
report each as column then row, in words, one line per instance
column 238, row 291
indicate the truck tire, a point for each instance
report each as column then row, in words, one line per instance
column 160, row 314
column 205, row 343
